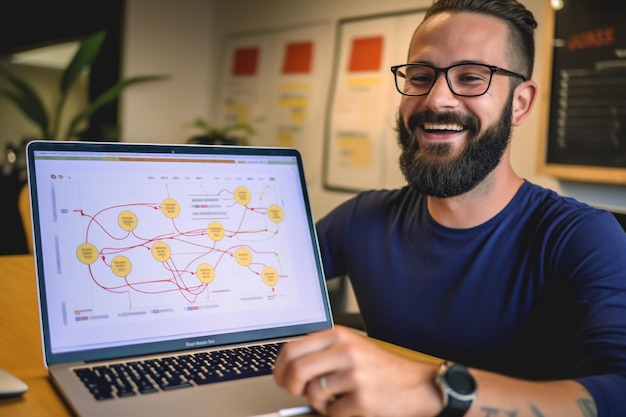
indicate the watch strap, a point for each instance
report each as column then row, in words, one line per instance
column 455, row 408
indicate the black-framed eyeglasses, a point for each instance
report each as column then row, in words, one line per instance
column 466, row 80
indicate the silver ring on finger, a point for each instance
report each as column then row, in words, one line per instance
column 330, row 397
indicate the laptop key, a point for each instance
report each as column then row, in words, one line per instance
column 96, row 384
column 174, row 384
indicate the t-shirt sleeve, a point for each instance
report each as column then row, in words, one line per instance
column 598, row 278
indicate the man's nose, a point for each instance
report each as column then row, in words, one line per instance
column 440, row 95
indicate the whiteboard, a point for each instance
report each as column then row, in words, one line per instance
column 361, row 150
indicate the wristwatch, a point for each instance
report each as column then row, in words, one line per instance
column 458, row 389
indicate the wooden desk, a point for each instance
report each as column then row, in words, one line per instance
column 20, row 342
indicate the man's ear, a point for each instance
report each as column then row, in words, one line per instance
column 524, row 98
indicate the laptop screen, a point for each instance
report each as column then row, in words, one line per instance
column 148, row 248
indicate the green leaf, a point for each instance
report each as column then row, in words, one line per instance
column 105, row 98
column 239, row 126
column 202, row 124
column 211, row 130
column 27, row 100
column 84, row 57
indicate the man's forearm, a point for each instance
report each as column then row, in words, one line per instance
column 500, row 396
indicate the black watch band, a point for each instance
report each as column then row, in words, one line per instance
column 458, row 389
column 453, row 410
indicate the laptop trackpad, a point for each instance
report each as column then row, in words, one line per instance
column 248, row 397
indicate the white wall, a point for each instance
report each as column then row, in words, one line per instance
column 174, row 38
column 183, row 38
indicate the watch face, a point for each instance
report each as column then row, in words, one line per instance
column 459, row 380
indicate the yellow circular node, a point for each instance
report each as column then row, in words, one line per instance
column 270, row 276
column 127, row 220
column 206, row 273
column 242, row 195
column 87, row 253
column 161, row 251
column 243, row 256
column 170, row 208
column 275, row 213
column 215, row 230
column 121, row 266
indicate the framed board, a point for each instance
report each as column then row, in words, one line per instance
column 270, row 81
column 361, row 150
column 586, row 138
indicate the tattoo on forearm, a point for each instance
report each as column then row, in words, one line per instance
column 489, row 412
column 494, row 412
column 588, row 407
column 536, row 411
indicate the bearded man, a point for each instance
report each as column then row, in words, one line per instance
column 520, row 290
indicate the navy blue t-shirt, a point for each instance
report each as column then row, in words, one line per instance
column 537, row 292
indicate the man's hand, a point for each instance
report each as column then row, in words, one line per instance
column 344, row 374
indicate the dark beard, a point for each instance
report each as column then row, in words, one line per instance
column 434, row 171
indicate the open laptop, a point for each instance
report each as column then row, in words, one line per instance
column 167, row 252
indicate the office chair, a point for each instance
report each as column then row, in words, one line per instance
column 337, row 294
column 23, row 202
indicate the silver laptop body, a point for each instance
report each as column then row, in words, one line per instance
column 157, row 251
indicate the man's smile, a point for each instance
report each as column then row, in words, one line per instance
column 442, row 127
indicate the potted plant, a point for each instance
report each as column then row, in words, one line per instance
column 233, row 134
column 29, row 102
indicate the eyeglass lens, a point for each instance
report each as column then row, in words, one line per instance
column 465, row 79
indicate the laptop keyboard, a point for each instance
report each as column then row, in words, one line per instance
column 161, row 374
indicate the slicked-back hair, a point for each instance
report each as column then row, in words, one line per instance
column 519, row 20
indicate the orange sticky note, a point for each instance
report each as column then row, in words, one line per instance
column 298, row 58
column 245, row 62
column 366, row 54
